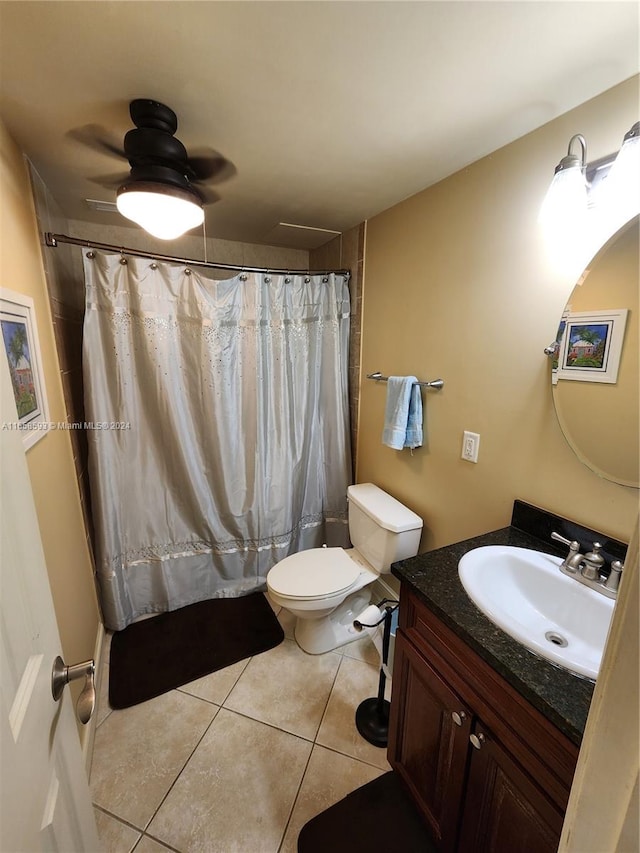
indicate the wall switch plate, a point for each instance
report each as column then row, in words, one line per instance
column 470, row 446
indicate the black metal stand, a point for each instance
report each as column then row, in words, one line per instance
column 372, row 715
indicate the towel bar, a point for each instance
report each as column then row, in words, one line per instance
column 435, row 383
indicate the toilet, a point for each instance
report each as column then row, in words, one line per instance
column 327, row 588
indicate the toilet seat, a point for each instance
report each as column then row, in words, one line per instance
column 313, row 574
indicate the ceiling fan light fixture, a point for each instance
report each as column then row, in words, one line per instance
column 164, row 211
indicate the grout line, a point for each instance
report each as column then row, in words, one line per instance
column 295, row 799
column 157, row 841
column 326, row 704
column 312, row 741
column 179, row 773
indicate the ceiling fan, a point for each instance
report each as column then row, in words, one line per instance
column 166, row 188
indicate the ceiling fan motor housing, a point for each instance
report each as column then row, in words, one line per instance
column 147, row 113
column 152, row 150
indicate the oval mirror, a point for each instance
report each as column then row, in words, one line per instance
column 595, row 365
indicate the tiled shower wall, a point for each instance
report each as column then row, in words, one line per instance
column 347, row 252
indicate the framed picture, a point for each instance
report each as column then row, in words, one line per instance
column 22, row 351
column 591, row 346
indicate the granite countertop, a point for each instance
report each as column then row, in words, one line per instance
column 562, row 697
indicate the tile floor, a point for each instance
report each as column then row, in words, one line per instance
column 238, row 761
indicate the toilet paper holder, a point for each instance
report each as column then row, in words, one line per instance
column 385, row 601
column 372, row 715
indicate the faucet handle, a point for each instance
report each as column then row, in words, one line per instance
column 573, row 544
column 615, row 575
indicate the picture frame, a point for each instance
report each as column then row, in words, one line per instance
column 591, row 345
column 21, row 348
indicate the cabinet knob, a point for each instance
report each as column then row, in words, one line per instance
column 458, row 717
column 477, row 740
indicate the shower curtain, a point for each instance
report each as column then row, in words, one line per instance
column 217, row 425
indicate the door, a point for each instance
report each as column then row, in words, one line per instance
column 44, row 795
column 428, row 740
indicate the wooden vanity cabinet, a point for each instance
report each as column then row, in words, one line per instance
column 486, row 769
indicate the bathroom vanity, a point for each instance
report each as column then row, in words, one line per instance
column 484, row 734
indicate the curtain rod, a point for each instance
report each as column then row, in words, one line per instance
column 52, row 240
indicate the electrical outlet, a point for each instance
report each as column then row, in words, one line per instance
column 470, row 446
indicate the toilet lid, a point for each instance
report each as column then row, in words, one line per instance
column 316, row 573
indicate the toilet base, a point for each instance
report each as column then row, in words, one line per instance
column 317, row 636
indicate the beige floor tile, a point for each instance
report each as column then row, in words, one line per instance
column 362, row 649
column 329, row 777
column 287, row 688
column 355, row 682
column 115, row 837
column 148, row 845
column 139, row 752
column 216, row 686
column 236, row 793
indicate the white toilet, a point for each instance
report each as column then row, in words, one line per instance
column 325, row 588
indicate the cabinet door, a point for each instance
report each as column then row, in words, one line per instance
column 429, row 741
column 505, row 811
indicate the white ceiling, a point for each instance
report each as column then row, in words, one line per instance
column 330, row 111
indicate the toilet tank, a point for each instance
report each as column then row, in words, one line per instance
column 381, row 528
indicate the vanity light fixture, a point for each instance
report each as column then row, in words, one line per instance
column 565, row 204
column 621, row 188
column 163, row 210
column 588, row 202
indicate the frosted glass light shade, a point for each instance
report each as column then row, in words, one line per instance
column 621, row 188
column 164, row 211
column 564, row 220
column 565, row 204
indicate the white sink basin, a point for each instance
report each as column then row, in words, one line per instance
column 525, row 594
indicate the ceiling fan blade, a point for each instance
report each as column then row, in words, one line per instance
column 210, row 166
column 208, row 195
column 96, row 137
column 111, row 182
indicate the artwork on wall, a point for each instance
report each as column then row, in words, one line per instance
column 22, row 351
column 591, row 345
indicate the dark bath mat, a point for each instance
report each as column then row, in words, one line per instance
column 378, row 816
column 151, row 657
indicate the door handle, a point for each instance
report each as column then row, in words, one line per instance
column 62, row 674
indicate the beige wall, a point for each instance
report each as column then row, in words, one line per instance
column 457, row 285
column 50, row 460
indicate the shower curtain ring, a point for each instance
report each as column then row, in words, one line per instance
column 123, row 260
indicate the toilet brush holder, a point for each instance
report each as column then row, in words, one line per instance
column 372, row 715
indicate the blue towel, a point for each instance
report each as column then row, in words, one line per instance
column 403, row 413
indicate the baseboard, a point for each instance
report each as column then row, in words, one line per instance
column 88, row 732
column 381, row 589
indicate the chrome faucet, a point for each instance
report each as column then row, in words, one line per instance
column 587, row 568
